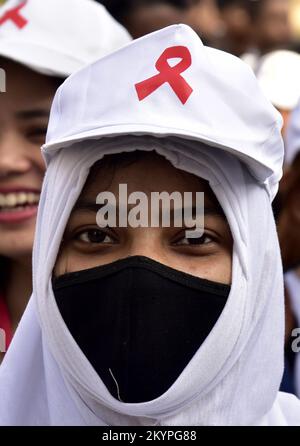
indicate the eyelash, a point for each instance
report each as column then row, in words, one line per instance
column 78, row 236
column 93, row 230
column 204, row 236
column 36, row 132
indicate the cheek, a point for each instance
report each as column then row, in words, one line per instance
column 223, row 270
column 216, row 267
column 18, row 241
column 37, row 159
column 69, row 261
column 62, row 264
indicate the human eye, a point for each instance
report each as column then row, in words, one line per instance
column 36, row 134
column 94, row 236
column 204, row 239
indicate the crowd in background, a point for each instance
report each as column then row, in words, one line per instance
column 266, row 35
column 236, row 26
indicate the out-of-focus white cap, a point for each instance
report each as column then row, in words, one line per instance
column 292, row 143
column 168, row 84
column 58, row 37
column 279, row 77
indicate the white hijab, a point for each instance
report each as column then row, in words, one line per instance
column 233, row 378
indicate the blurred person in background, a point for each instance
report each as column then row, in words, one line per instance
column 289, row 235
column 141, row 17
column 278, row 74
column 271, row 28
column 204, row 17
column 238, row 29
column 295, row 23
column 38, row 50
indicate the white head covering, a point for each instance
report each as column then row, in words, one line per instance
column 58, row 37
column 278, row 75
column 292, row 145
column 234, row 376
column 208, row 96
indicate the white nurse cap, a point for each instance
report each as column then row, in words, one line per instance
column 58, row 37
column 168, row 83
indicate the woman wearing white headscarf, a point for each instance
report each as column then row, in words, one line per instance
column 41, row 44
column 207, row 118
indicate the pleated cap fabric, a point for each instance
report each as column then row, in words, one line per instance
column 169, row 83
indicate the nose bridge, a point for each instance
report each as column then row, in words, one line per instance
column 13, row 157
column 146, row 242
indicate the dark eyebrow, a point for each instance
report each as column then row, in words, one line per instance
column 86, row 205
column 34, row 113
column 209, row 209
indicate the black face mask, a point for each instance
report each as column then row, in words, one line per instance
column 138, row 322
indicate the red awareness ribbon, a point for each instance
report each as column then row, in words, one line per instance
column 15, row 16
column 171, row 75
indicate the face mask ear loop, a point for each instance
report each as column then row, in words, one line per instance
column 117, row 385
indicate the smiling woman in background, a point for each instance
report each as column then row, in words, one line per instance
column 38, row 49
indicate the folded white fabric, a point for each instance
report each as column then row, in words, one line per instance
column 233, row 378
column 57, row 37
column 202, row 94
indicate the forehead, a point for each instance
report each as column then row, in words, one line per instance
column 24, row 84
column 145, row 171
column 271, row 6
